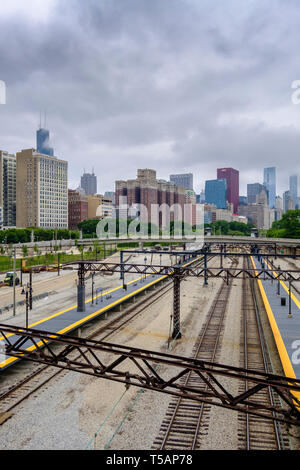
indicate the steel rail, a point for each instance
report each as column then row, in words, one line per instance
column 154, row 297
column 162, row 291
column 179, row 401
column 260, row 336
column 199, row 344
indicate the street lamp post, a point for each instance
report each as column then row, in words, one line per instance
column 26, row 293
column 98, row 290
column 93, row 274
column 14, row 279
column 145, row 266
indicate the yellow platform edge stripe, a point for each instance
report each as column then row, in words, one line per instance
column 284, row 357
column 284, row 286
column 85, row 319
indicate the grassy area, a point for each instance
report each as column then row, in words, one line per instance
column 6, row 262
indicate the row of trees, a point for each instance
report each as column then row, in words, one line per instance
column 119, row 227
column 222, row 227
column 287, row 227
column 89, row 228
column 39, row 234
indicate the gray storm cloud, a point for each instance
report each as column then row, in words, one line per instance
column 174, row 85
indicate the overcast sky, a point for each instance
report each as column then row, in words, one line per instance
column 173, row 85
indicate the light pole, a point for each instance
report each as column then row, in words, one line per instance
column 26, row 293
column 145, row 266
column 290, row 300
column 14, row 279
column 93, row 274
column 98, row 290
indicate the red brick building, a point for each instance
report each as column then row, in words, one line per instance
column 146, row 193
column 77, row 208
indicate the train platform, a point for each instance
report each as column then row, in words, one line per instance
column 70, row 319
column 284, row 318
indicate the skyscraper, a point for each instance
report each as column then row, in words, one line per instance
column 42, row 190
column 89, row 183
column 42, row 142
column 294, row 189
column 146, row 193
column 270, row 185
column 233, row 185
column 185, row 180
column 111, row 195
column 288, row 203
column 253, row 190
column 77, row 208
column 8, row 188
column 215, row 193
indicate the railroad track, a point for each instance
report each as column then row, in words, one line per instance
column 293, row 266
column 33, row 382
column 22, row 390
column 186, row 421
column 255, row 433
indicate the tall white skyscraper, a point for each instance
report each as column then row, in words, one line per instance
column 42, row 190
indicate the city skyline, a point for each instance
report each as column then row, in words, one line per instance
column 234, row 109
column 74, row 184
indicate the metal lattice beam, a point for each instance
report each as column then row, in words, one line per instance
column 196, row 271
column 140, row 368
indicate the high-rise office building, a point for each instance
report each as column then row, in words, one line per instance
column 270, row 185
column 200, row 198
column 42, row 142
column 89, row 183
column 253, row 190
column 145, row 193
column 215, row 193
column 288, row 203
column 77, row 208
column 243, row 201
column 42, row 190
column 294, row 190
column 111, row 195
column 100, row 206
column 279, row 208
column 185, row 180
column 8, row 189
column 233, row 186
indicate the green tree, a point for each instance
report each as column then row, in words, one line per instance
column 25, row 250
column 287, row 227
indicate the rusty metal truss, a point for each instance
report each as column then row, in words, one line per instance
column 207, row 251
column 182, row 271
column 146, row 369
